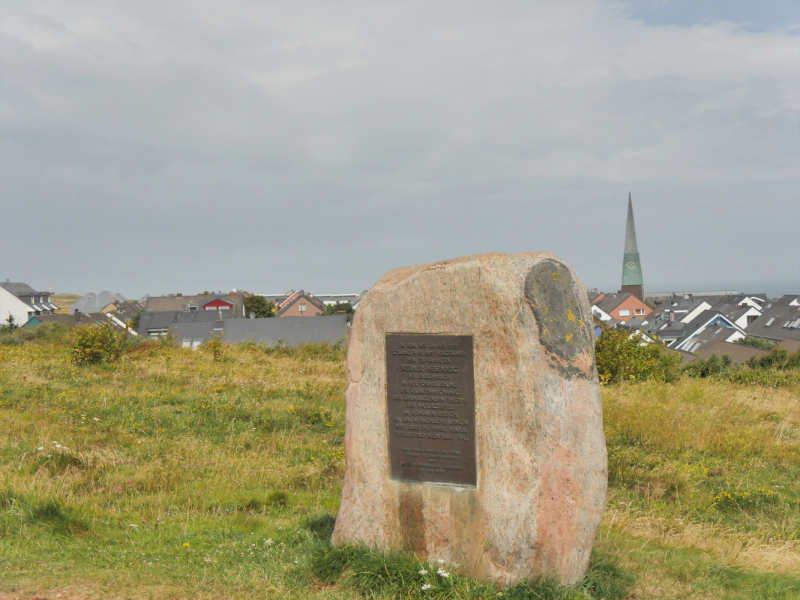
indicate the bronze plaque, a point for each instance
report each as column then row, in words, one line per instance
column 430, row 388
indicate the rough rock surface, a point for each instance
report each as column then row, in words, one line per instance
column 541, row 455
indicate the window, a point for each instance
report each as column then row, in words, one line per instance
column 639, row 312
column 302, row 308
column 624, row 312
column 770, row 322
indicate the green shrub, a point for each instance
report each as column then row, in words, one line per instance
column 263, row 308
column 621, row 356
column 755, row 342
column 777, row 359
column 214, row 347
column 714, row 365
column 93, row 344
column 134, row 322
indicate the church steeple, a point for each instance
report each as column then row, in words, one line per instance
column 632, row 281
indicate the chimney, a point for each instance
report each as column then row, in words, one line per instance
column 77, row 316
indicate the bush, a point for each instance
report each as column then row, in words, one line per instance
column 777, row 359
column 134, row 322
column 214, row 347
column 93, row 344
column 621, row 356
column 714, row 365
column 755, row 342
column 262, row 308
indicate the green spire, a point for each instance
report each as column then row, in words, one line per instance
column 631, row 263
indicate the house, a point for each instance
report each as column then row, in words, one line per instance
column 21, row 301
column 37, row 320
column 79, row 318
column 333, row 299
column 91, row 302
column 301, row 304
column 742, row 314
column 787, row 300
column 124, row 311
column 755, row 300
column 620, row 306
column 710, row 326
column 289, row 332
column 157, row 325
column 777, row 322
column 594, row 295
column 233, row 302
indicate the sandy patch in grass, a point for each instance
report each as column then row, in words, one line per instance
column 744, row 549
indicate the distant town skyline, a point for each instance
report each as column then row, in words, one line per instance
column 179, row 146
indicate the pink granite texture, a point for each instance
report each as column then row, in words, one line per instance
column 541, row 455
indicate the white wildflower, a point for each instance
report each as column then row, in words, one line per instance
column 443, row 573
column 40, row 448
column 132, row 525
column 440, row 561
column 269, row 542
column 426, row 587
column 423, row 572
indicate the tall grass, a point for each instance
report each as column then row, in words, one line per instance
column 171, row 475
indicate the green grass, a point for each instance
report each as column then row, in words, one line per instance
column 172, row 475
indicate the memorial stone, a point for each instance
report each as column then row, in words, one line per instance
column 474, row 422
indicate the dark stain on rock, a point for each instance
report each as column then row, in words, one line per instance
column 412, row 523
column 564, row 329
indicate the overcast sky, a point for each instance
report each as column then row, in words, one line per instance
column 160, row 146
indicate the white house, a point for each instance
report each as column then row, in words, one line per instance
column 12, row 306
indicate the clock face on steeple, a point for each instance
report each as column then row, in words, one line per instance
column 631, row 264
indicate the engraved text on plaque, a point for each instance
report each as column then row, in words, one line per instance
column 430, row 384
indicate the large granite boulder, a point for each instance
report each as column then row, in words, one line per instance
column 535, row 500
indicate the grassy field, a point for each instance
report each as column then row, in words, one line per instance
column 64, row 301
column 172, row 475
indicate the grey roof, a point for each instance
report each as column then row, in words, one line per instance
column 193, row 331
column 180, row 303
column 733, row 311
column 761, row 297
column 165, row 319
column 126, row 310
column 64, row 319
column 292, row 332
column 636, row 323
column 17, row 288
column 611, row 301
column 786, row 300
column 706, row 319
column 91, row 302
column 772, row 323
